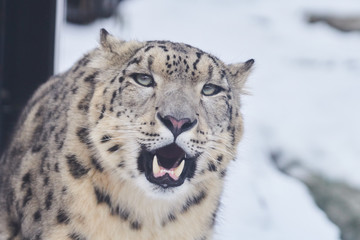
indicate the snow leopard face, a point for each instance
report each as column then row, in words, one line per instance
column 168, row 117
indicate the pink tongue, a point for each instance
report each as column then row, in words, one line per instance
column 164, row 171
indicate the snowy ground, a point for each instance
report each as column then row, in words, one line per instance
column 304, row 103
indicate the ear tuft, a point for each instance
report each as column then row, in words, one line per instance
column 103, row 36
column 109, row 42
column 248, row 64
column 239, row 73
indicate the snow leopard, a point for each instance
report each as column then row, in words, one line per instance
column 132, row 142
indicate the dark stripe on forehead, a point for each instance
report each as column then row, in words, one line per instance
column 148, row 48
column 222, row 74
column 210, row 71
column 136, row 60
column 198, row 54
column 163, row 48
column 213, row 59
column 150, row 62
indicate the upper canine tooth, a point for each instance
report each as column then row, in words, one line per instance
column 155, row 166
column 179, row 169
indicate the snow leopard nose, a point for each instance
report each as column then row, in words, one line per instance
column 177, row 126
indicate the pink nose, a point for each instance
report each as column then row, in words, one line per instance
column 177, row 126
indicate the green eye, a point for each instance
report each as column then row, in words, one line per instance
column 210, row 89
column 143, row 79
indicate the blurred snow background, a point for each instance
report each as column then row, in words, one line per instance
column 304, row 103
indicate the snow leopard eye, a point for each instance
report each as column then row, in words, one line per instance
column 143, row 79
column 210, row 89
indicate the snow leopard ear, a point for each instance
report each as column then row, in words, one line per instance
column 108, row 41
column 239, row 73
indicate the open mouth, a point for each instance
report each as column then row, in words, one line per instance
column 168, row 166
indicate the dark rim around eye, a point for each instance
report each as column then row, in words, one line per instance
column 136, row 75
column 216, row 88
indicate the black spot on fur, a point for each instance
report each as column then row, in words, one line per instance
column 150, row 62
column 84, row 103
column 96, row 164
column 105, row 91
column 91, row 77
column 170, row 218
column 121, row 79
column 135, row 225
column 195, row 200
column 56, row 167
column 83, row 135
column 114, row 148
column 46, row 180
column 135, row 61
column 39, row 112
column 215, row 61
column 198, row 54
column 103, row 109
column 223, row 173
column 83, row 62
column 148, row 48
column 62, row 217
column 163, row 48
column 74, row 90
column 76, row 169
column 213, row 219
column 37, row 215
column 26, row 180
column 15, row 152
column 38, row 236
column 102, row 197
column 222, row 74
column 60, row 137
column 121, row 212
column 28, row 196
column 15, row 228
column 212, row 167
column 36, row 148
column 210, row 71
column 10, row 198
column 76, row 236
column 49, row 199
column 121, row 164
column 229, row 112
column 233, row 136
column 37, row 133
column 219, row 158
column 113, row 97
column 113, row 80
column 105, row 138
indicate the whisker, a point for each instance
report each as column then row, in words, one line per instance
column 230, row 154
column 210, row 156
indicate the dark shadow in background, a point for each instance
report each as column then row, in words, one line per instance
column 27, row 34
column 27, row 41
